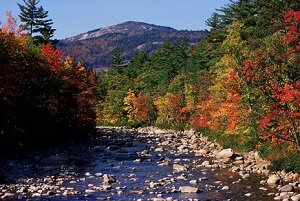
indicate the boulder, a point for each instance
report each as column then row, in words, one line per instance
column 273, row 179
column 295, row 197
column 225, row 153
column 287, row 188
column 189, row 189
column 108, row 179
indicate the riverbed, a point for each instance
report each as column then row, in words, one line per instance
column 130, row 164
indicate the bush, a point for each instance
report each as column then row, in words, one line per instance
column 290, row 163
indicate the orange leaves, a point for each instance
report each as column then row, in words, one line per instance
column 10, row 27
column 138, row 107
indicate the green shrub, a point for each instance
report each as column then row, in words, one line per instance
column 289, row 163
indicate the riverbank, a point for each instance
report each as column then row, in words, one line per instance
column 144, row 164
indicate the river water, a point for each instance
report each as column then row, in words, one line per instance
column 133, row 177
column 135, row 172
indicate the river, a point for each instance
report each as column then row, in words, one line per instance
column 142, row 167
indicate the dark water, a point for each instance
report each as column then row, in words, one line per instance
column 133, row 178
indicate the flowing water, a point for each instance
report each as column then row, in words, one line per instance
column 134, row 174
column 133, row 178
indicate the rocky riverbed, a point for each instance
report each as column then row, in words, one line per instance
column 143, row 164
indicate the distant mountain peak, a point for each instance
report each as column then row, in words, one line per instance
column 95, row 46
column 129, row 27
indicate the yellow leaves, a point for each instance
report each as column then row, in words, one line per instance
column 129, row 105
column 234, row 45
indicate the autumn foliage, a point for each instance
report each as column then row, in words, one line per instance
column 42, row 98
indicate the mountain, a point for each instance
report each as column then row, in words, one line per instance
column 95, row 46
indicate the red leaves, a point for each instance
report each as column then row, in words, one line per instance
column 264, row 121
column 292, row 18
column 287, row 93
column 52, row 56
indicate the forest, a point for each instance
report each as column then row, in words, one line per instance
column 240, row 85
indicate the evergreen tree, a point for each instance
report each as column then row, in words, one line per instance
column 117, row 61
column 36, row 22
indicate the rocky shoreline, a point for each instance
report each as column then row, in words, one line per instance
column 71, row 171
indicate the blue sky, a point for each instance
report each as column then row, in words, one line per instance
column 72, row 17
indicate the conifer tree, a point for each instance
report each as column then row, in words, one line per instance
column 36, row 22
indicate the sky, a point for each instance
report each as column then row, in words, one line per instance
column 73, row 17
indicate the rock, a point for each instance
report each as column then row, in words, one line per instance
column 205, row 163
column 273, row 179
column 194, row 181
column 159, row 131
column 262, row 165
column 189, row 189
column 225, row 153
column 287, row 188
column 165, row 163
column 108, row 179
column 295, row 197
column 159, row 149
column 179, row 168
column 201, row 152
column 98, row 174
column 154, row 185
column 225, row 188
column 8, row 195
column 90, row 191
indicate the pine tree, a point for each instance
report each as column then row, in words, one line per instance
column 36, row 22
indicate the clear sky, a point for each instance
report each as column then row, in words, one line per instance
column 72, row 17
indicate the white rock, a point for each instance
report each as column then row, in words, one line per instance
column 225, row 188
column 225, row 153
column 189, row 189
column 295, row 197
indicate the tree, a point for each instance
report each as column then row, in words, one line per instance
column 36, row 22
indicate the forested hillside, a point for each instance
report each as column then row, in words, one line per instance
column 240, row 85
column 96, row 46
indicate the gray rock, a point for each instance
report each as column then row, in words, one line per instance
column 287, row 188
column 189, row 189
column 225, row 153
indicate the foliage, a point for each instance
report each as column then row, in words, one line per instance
column 43, row 99
column 288, row 163
column 240, row 84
